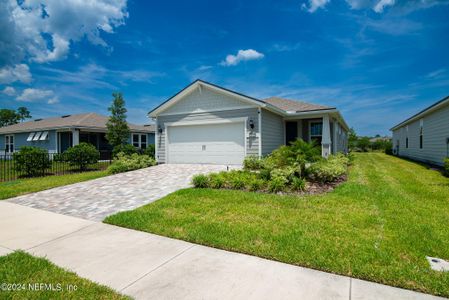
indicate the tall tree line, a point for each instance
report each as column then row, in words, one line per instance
column 10, row 116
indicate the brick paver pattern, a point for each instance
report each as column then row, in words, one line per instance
column 98, row 198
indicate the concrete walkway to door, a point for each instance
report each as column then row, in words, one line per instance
column 96, row 199
column 147, row 266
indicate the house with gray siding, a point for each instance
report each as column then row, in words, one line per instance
column 425, row 135
column 59, row 133
column 206, row 123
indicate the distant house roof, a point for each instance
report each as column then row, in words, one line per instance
column 294, row 105
column 437, row 105
column 86, row 121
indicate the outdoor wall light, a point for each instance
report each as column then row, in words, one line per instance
column 251, row 124
column 159, row 129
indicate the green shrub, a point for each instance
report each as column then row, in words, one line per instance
column 256, row 184
column 217, row 180
column 150, row 151
column 31, row 160
column 252, row 163
column 277, row 184
column 298, row 154
column 81, row 155
column 127, row 149
column 298, row 184
column 287, row 174
column 125, row 163
column 446, row 167
column 328, row 170
column 200, row 181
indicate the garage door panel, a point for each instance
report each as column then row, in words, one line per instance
column 211, row 143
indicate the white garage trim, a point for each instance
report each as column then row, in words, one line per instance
column 242, row 120
column 205, row 122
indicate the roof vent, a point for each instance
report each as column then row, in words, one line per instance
column 65, row 116
column 37, row 120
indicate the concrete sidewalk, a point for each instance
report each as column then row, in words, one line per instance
column 147, row 266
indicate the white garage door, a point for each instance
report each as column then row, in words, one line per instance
column 207, row 144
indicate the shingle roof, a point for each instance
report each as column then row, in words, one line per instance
column 294, row 105
column 89, row 120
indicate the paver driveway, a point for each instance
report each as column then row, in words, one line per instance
column 98, row 198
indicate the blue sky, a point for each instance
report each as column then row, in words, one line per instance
column 378, row 61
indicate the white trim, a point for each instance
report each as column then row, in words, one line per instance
column 156, row 143
column 9, row 143
column 207, row 111
column 260, row 131
column 196, row 85
column 244, row 121
column 422, row 114
column 205, row 122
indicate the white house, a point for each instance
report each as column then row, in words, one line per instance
column 425, row 135
column 206, row 123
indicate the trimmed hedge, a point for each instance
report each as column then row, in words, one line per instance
column 31, row 160
column 125, row 163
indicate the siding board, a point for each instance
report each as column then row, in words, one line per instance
column 435, row 134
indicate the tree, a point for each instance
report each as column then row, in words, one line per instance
column 118, row 130
column 23, row 113
column 352, row 139
column 363, row 143
column 8, row 117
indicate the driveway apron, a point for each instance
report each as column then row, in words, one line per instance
column 96, row 199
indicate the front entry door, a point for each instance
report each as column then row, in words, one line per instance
column 291, row 132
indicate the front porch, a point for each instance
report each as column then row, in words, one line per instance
column 70, row 138
column 325, row 130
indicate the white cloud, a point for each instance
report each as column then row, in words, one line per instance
column 436, row 74
column 42, row 30
column 53, row 100
column 33, row 95
column 242, row 55
column 379, row 7
column 9, row 90
column 313, row 5
column 20, row 72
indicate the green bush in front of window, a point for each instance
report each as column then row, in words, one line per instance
column 31, row 160
column 82, row 155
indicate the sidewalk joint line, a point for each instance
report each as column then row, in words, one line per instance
column 156, row 268
column 59, row 237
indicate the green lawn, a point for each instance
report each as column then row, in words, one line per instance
column 378, row 226
column 24, row 186
column 25, row 271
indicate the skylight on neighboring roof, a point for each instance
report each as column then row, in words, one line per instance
column 44, row 136
column 30, row 137
column 37, row 135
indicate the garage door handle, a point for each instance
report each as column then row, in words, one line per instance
column 203, row 147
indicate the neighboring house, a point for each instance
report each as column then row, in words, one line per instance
column 205, row 123
column 425, row 135
column 59, row 133
column 380, row 139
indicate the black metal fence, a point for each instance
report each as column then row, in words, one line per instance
column 12, row 168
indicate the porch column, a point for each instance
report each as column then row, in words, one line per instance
column 326, row 137
column 75, row 137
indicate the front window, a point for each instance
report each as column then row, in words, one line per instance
column 9, row 143
column 140, row 141
column 143, row 141
column 420, row 138
column 136, row 142
column 316, row 132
